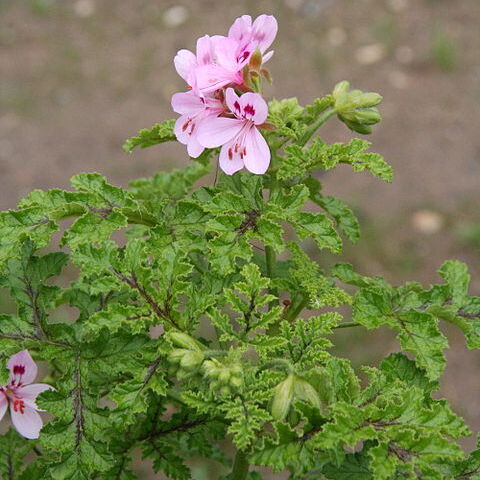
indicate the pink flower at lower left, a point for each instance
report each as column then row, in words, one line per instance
column 20, row 395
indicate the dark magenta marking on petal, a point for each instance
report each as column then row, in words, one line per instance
column 19, row 369
column 249, row 110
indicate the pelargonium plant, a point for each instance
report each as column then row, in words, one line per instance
column 242, row 382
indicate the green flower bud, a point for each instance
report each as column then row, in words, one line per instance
column 237, row 370
column 176, row 355
column 225, row 391
column 282, row 398
column 236, row 382
column 191, row 360
column 305, row 391
column 368, row 116
column 186, row 341
column 224, row 375
column 356, row 108
column 340, row 90
column 369, row 99
column 211, row 368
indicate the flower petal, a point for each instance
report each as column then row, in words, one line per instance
column 204, row 50
column 241, row 28
column 185, row 61
column 253, row 102
column 3, row 404
column 257, row 156
column 268, row 56
column 233, row 102
column 181, row 129
column 209, row 78
column 29, row 393
column 194, row 149
column 215, row 131
column 264, row 31
column 187, row 102
column 228, row 164
column 225, row 52
column 22, row 368
column 28, row 424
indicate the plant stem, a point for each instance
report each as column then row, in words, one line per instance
column 295, row 311
column 330, row 111
column 348, row 324
column 270, row 260
column 240, row 467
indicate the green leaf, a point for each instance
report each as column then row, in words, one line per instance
column 345, row 219
column 13, row 450
column 318, row 227
column 457, row 278
column 147, row 137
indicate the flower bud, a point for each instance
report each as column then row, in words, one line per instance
column 224, row 375
column 282, row 398
column 255, row 61
column 356, row 108
column 211, row 368
column 186, row 341
column 176, row 355
column 225, row 391
column 191, row 360
column 236, row 382
column 305, row 391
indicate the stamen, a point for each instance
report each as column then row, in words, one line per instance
column 185, row 125
column 19, row 406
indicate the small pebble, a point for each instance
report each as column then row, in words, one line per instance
column 175, row 16
column 427, row 222
column 84, row 8
column 370, row 54
column 397, row 5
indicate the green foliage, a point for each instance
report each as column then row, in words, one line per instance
column 148, row 137
column 169, row 327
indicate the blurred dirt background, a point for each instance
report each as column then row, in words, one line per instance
column 79, row 76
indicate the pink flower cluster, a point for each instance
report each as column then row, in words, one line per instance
column 20, row 395
column 212, row 114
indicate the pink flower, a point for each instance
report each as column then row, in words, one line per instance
column 186, row 62
column 213, row 65
column 243, row 144
column 193, row 110
column 252, row 36
column 219, row 60
column 21, row 396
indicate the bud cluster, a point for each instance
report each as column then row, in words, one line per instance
column 225, row 378
column 186, row 360
column 355, row 108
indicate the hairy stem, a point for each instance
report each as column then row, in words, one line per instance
column 240, row 466
column 348, row 324
column 295, row 310
column 270, row 259
column 329, row 112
